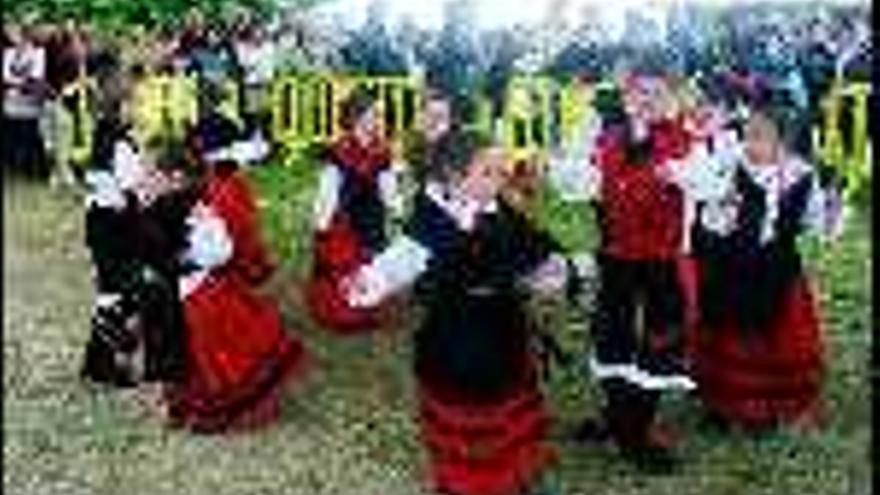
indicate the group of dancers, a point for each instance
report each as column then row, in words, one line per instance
column 700, row 284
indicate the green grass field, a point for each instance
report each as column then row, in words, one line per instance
column 349, row 429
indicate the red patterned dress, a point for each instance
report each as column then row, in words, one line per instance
column 239, row 357
column 355, row 193
column 483, row 418
column 759, row 355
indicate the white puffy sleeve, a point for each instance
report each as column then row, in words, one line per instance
column 250, row 151
column 10, row 77
column 104, row 191
column 39, row 67
column 209, row 242
column 573, row 173
column 826, row 212
column 327, row 198
column 705, row 175
column 396, row 267
column 127, row 166
column 389, row 190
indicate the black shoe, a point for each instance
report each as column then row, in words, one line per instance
column 591, row 431
column 715, row 423
column 117, row 379
column 652, row 459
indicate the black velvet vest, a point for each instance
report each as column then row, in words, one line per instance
column 474, row 338
column 741, row 279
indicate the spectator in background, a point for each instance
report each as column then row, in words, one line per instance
column 192, row 34
column 255, row 53
column 211, row 58
column 24, row 90
column 289, row 39
column 65, row 64
column 212, row 61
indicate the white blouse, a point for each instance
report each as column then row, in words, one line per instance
column 244, row 152
column 709, row 178
column 330, row 186
column 209, row 246
column 405, row 259
column 573, row 172
column 127, row 173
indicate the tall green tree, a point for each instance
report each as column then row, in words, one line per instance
column 116, row 14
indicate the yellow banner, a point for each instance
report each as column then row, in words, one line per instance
column 306, row 108
column 164, row 106
column 77, row 122
column 850, row 153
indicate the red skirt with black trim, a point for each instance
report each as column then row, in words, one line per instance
column 239, row 359
column 338, row 253
column 485, row 448
column 768, row 376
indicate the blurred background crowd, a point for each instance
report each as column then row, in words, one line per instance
column 50, row 45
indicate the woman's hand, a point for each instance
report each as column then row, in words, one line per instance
column 551, row 277
column 362, row 289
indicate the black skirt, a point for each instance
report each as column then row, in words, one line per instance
column 473, row 344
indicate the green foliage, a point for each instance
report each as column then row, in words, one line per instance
column 112, row 15
column 284, row 189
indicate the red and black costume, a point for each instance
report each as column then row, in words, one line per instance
column 132, row 250
column 482, row 415
column 759, row 353
column 641, row 223
column 252, row 261
column 239, row 356
column 352, row 206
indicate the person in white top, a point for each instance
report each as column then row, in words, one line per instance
column 472, row 259
column 255, row 52
column 759, row 355
column 25, row 88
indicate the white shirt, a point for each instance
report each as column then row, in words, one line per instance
column 21, row 64
column 257, row 60
column 127, row 173
column 406, row 259
column 209, row 246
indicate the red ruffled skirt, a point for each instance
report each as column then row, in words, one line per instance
column 239, row 359
column 338, row 253
column 768, row 376
column 494, row 448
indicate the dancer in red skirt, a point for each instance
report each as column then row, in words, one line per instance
column 759, row 356
column 215, row 146
column 472, row 257
column 356, row 190
column 239, row 356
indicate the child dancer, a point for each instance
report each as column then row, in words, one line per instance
column 215, row 146
column 640, row 217
column 114, row 202
column 759, row 353
column 239, row 357
column 356, row 190
column 471, row 256
column 436, row 120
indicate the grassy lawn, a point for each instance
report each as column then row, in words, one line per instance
column 350, row 430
